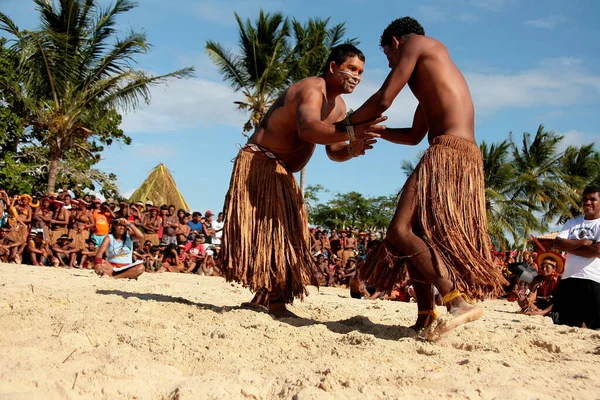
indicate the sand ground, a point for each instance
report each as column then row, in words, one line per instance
column 68, row 334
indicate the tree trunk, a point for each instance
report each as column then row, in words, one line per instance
column 52, row 171
column 302, row 180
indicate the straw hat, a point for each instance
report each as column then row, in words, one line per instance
column 559, row 259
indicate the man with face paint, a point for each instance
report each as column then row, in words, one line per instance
column 266, row 244
column 439, row 231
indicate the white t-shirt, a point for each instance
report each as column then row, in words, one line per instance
column 216, row 225
column 577, row 266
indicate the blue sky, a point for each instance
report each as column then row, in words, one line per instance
column 526, row 63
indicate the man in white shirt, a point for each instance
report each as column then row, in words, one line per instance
column 218, row 228
column 578, row 299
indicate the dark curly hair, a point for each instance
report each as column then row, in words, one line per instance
column 399, row 28
column 340, row 53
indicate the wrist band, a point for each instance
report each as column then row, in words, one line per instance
column 350, row 132
column 98, row 261
column 350, row 150
column 347, row 119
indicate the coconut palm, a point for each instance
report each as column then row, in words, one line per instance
column 256, row 68
column 505, row 215
column 74, row 71
column 539, row 179
column 580, row 167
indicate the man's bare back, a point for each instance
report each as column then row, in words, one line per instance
column 445, row 104
column 278, row 130
column 441, row 90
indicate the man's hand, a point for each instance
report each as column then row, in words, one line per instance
column 369, row 129
column 359, row 147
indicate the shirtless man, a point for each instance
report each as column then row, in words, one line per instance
column 170, row 223
column 266, row 244
column 440, row 221
column 350, row 247
column 42, row 216
column 151, row 226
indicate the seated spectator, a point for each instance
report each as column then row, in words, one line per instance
column 540, row 299
column 88, row 253
column 399, row 293
column 118, row 245
column 196, row 254
column 38, row 251
column 171, row 262
column 65, row 252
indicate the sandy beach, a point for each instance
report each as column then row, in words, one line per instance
column 69, row 334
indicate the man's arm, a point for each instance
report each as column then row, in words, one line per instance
column 312, row 129
column 408, row 136
column 341, row 152
column 583, row 248
column 393, row 84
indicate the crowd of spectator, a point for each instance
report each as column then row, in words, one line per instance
column 533, row 277
column 58, row 229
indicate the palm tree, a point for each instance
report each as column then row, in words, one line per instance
column 580, row 167
column 539, row 180
column 74, row 71
column 256, row 69
column 505, row 215
column 313, row 43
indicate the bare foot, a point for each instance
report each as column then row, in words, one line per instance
column 278, row 310
column 461, row 313
column 423, row 321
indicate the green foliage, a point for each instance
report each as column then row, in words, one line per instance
column 271, row 56
column 73, row 75
column 352, row 209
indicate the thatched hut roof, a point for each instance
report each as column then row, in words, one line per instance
column 160, row 188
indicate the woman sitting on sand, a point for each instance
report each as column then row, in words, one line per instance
column 119, row 247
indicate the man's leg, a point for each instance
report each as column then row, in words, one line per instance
column 401, row 235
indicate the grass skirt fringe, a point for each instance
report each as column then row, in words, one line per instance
column 265, row 238
column 451, row 216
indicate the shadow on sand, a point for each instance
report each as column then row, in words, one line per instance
column 163, row 298
column 358, row 323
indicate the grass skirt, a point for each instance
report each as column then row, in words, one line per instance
column 265, row 237
column 79, row 238
column 451, row 219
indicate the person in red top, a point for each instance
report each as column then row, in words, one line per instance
column 540, row 299
column 196, row 253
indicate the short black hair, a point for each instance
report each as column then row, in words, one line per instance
column 340, row 53
column 591, row 189
column 400, row 27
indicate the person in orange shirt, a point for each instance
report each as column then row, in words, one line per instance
column 102, row 219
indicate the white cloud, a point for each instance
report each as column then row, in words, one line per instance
column 431, row 13
column 490, row 5
column 197, row 103
column 549, row 22
column 222, row 12
column 184, row 104
column 554, row 84
column 577, row 139
column 149, row 151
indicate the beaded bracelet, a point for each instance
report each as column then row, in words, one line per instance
column 352, row 153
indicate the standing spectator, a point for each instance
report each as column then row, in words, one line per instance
column 152, row 224
column 195, row 224
column 170, row 223
column 577, row 302
column 207, row 228
column 59, row 223
column 218, row 229
column 102, row 216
